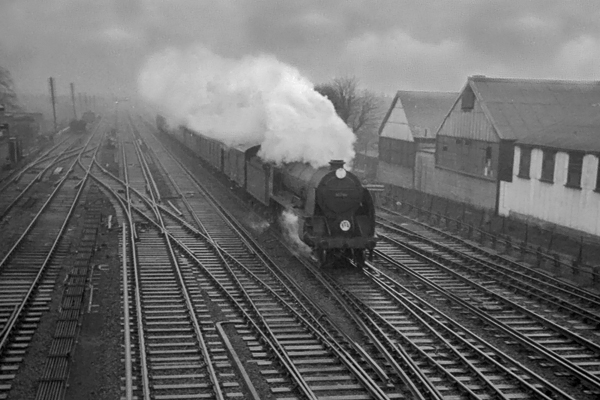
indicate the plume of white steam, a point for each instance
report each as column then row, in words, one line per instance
column 289, row 225
column 252, row 100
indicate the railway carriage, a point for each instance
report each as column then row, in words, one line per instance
column 234, row 163
column 259, row 179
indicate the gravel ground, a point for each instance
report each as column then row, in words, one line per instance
column 96, row 368
column 26, row 382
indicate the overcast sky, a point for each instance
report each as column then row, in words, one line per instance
column 100, row 45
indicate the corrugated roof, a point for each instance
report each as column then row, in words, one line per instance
column 416, row 114
column 542, row 112
column 568, row 138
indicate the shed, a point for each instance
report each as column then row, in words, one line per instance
column 475, row 143
column 556, row 175
column 409, row 127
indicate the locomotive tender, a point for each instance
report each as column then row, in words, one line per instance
column 336, row 213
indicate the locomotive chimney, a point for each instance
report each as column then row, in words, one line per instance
column 336, row 164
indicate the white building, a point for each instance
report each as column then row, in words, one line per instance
column 556, row 175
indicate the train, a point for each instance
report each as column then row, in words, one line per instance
column 78, row 126
column 336, row 213
column 89, row 117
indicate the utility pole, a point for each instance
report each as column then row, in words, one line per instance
column 53, row 97
column 73, row 100
column 116, row 114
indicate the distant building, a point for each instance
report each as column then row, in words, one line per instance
column 475, row 145
column 407, row 138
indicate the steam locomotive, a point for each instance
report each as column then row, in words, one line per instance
column 78, row 126
column 336, row 213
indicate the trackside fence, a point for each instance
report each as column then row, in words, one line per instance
column 559, row 248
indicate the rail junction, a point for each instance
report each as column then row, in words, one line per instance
column 216, row 304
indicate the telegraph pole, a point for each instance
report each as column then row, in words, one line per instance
column 53, row 97
column 73, row 100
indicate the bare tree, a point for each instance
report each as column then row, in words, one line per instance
column 8, row 96
column 358, row 108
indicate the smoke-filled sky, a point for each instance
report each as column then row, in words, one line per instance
column 246, row 101
column 387, row 44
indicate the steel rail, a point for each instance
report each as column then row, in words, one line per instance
column 390, row 286
column 405, row 371
column 410, row 308
column 126, row 328
column 570, row 366
column 522, row 283
column 189, row 253
column 147, row 173
column 236, row 359
column 572, row 289
column 267, row 337
column 138, row 297
column 321, row 331
column 341, row 353
column 33, row 182
column 418, row 253
column 33, row 286
column 245, row 237
column 34, row 221
column 17, row 174
column 184, row 289
column 264, row 259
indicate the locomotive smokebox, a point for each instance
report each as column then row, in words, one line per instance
column 336, row 164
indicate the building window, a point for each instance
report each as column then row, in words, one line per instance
column 468, row 99
column 487, row 168
column 574, row 170
column 548, row 166
column 525, row 162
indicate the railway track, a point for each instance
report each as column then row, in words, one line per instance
column 23, row 196
column 548, row 326
column 229, row 284
column 527, row 280
column 451, row 361
column 502, row 390
column 275, row 325
column 30, row 267
column 546, row 380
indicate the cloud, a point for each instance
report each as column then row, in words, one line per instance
column 579, row 57
column 422, row 44
column 414, row 63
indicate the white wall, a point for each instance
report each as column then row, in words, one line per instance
column 554, row 202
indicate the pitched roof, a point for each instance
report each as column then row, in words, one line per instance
column 567, row 138
column 416, row 114
column 541, row 111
